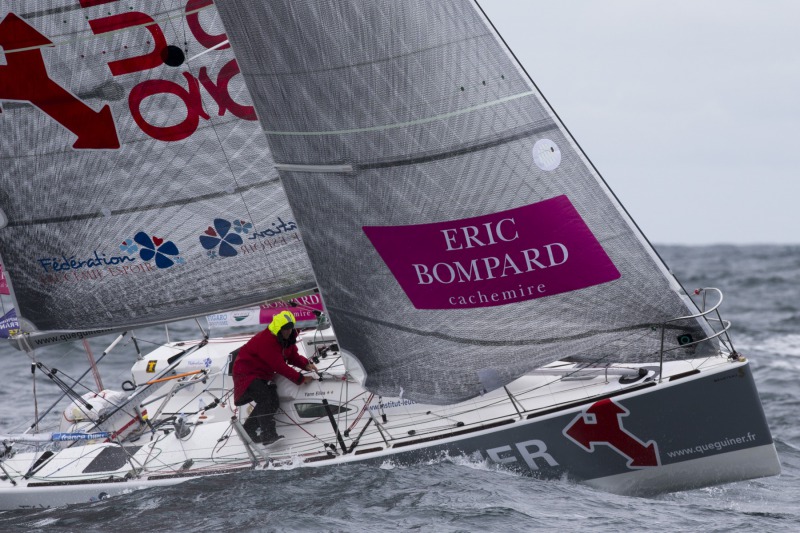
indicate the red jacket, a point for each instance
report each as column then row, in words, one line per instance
column 261, row 358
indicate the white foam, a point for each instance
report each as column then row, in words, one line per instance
column 783, row 345
column 388, row 465
column 476, row 461
column 44, row 522
column 781, row 352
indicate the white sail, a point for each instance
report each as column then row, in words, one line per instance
column 489, row 237
column 136, row 182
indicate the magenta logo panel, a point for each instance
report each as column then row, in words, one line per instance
column 524, row 253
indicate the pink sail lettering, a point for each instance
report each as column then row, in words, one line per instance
column 532, row 251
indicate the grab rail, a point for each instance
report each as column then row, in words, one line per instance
column 703, row 313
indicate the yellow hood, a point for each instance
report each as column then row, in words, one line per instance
column 280, row 320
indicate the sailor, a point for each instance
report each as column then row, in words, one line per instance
column 266, row 354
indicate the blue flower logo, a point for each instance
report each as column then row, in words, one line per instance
column 156, row 247
column 242, row 227
column 219, row 236
column 128, row 246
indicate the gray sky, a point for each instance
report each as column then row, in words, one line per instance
column 690, row 109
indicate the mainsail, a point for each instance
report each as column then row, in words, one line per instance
column 135, row 179
column 458, row 234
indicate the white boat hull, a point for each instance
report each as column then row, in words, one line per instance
column 643, row 435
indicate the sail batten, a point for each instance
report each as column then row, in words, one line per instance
column 403, row 124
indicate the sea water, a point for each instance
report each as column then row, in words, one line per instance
column 762, row 298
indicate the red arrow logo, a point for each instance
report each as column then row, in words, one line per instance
column 601, row 423
column 24, row 78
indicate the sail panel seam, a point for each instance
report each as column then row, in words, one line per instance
column 484, row 342
column 139, row 209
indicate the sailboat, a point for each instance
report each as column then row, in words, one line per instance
column 484, row 293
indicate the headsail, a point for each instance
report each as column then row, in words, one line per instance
column 459, row 235
column 136, row 181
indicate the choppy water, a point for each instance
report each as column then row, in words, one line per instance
column 762, row 298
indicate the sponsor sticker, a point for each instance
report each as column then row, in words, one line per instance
column 601, row 425
column 520, row 254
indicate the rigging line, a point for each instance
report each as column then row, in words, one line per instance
column 136, row 394
column 162, row 345
column 182, row 409
column 596, row 361
column 154, row 147
column 93, row 365
column 81, row 457
column 186, row 37
column 396, row 125
column 171, row 22
column 299, row 425
column 35, row 398
column 68, row 390
column 54, row 404
column 158, row 414
column 362, row 411
column 150, row 457
column 240, row 190
column 222, row 441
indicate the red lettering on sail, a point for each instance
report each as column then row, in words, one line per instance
column 219, row 91
column 126, row 20
column 193, row 21
column 25, row 78
column 191, row 99
column 601, row 423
